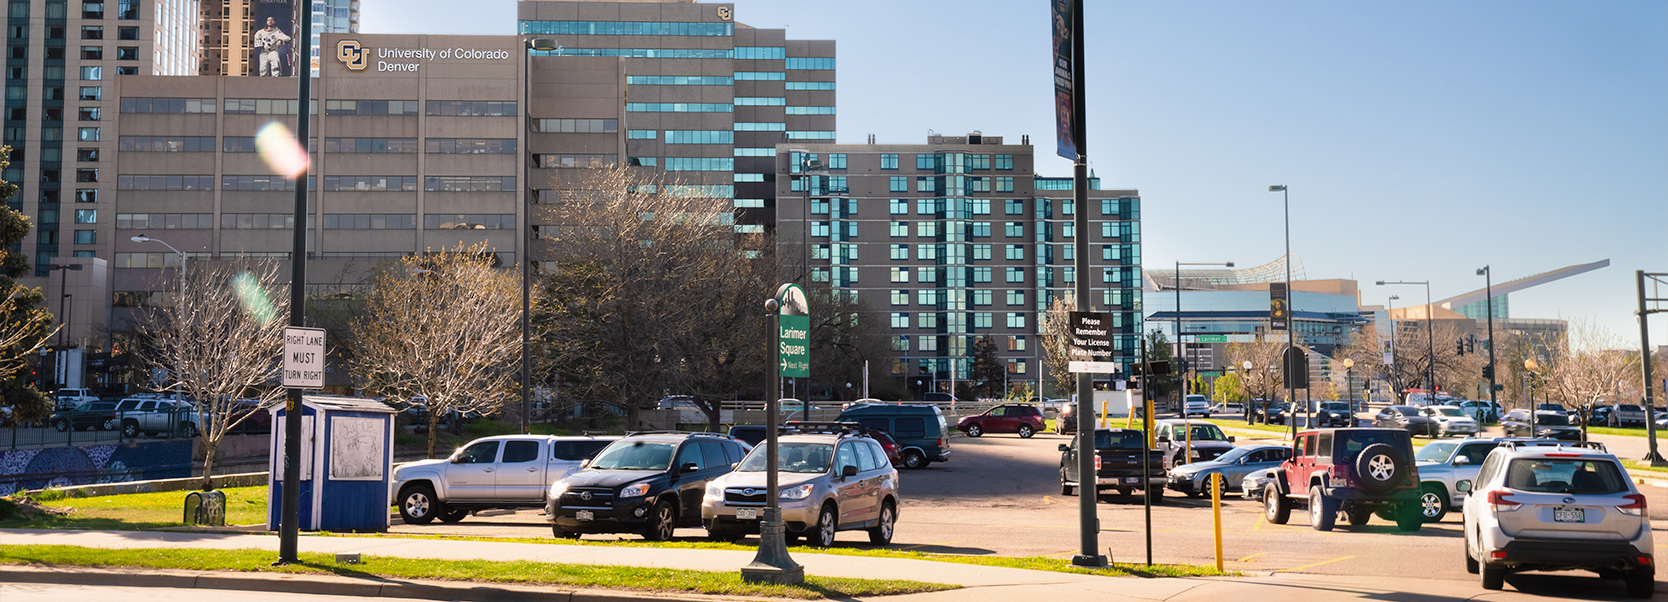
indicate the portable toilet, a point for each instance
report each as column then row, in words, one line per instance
column 347, row 458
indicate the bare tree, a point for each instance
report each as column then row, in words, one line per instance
column 222, row 345
column 1265, row 378
column 1591, row 364
column 649, row 291
column 444, row 326
column 1055, row 328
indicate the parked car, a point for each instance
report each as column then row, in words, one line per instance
column 1599, row 415
column 1230, row 408
column 1194, row 479
column 920, row 429
column 887, row 443
column 1547, row 424
column 1196, row 404
column 1357, row 471
column 1066, row 422
column 752, row 434
column 1024, row 419
column 1624, row 414
column 1451, row 420
column 1421, row 399
column 646, row 483
column 1442, row 465
column 1251, row 486
column 70, row 398
column 1184, row 441
column 833, row 479
column 507, row 471
column 154, row 415
column 99, row 415
column 1555, row 408
column 1483, row 411
column 1409, row 418
column 1546, row 508
column 1275, row 413
column 1333, row 413
column 1118, row 459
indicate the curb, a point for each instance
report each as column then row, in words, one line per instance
column 361, row 587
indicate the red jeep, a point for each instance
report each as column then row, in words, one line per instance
column 1357, row 471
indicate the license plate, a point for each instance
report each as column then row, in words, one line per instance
column 584, row 515
column 747, row 513
column 1132, row 479
column 1569, row 515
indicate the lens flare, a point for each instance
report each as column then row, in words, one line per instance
column 280, row 150
column 253, row 297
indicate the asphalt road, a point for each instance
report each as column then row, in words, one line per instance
column 1000, row 495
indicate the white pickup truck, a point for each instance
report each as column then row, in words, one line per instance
column 507, row 471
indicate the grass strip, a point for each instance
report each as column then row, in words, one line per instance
column 657, row 580
column 1637, row 465
column 137, row 511
column 1610, row 430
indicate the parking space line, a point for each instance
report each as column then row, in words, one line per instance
column 1313, row 565
column 1248, row 558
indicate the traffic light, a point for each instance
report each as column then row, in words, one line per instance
column 1459, row 347
column 1471, row 344
column 1488, row 371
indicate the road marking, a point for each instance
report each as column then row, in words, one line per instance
column 1260, row 520
column 1248, row 558
column 1308, row 566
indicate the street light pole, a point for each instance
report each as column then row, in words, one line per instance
column 63, row 287
column 1349, row 383
column 179, row 302
column 1181, row 350
column 1291, row 337
column 1488, row 287
column 1430, row 336
column 527, row 232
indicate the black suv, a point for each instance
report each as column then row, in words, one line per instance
column 1117, row 464
column 646, row 483
column 1547, row 424
column 1334, row 413
column 1357, row 471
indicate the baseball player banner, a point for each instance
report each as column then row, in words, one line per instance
column 272, row 44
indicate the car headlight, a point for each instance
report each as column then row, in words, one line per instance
column 637, row 490
column 558, row 488
column 715, row 492
column 1194, row 453
column 796, row 493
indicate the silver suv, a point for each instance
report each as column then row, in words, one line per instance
column 1536, row 507
column 1443, row 464
column 832, row 478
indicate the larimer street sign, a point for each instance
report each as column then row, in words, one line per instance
column 1089, row 349
column 793, row 333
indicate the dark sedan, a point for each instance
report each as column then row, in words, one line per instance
column 1408, row 418
column 1547, row 424
column 1275, row 413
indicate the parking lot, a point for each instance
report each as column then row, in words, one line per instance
column 1000, row 495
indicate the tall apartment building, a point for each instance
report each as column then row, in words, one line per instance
column 62, row 61
column 229, row 25
column 952, row 240
column 708, row 98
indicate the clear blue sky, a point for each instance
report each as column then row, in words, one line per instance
column 1421, row 140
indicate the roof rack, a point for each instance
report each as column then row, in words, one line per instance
column 690, row 433
column 1521, row 443
column 812, row 427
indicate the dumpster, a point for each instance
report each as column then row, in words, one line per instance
column 347, row 447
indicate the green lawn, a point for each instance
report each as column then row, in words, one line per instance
column 1625, row 432
column 139, row 511
column 660, row 580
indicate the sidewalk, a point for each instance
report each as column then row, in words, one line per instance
column 979, row 583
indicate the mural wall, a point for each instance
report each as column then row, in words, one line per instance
column 25, row 469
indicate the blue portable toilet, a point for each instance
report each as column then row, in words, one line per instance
column 347, row 459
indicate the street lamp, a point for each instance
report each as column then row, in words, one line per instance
column 1181, row 351
column 1349, row 384
column 1243, row 377
column 527, row 230
column 63, row 278
column 1488, row 284
column 179, row 304
column 806, row 164
column 1430, row 336
column 1291, row 336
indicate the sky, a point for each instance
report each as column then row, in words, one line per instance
column 1421, row 140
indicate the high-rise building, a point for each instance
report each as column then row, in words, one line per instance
column 62, row 61
column 708, row 98
column 953, row 240
column 229, row 28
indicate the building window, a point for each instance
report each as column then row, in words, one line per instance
column 928, row 297
column 375, row 221
column 926, row 320
column 127, row 53
column 465, row 108
column 926, row 229
column 92, row 53
column 981, row 252
column 86, row 175
column 980, row 229
column 172, row 105
column 926, row 184
column 889, row 160
column 1016, row 342
column 127, row 71
column 469, row 183
column 87, row 134
column 86, row 237
column 86, row 155
column 1004, row 162
column 1004, row 184
column 92, row 32
column 92, row 92
column 576, row 126
column 1016, row 274
column 981, row 297
column 981, row 319
column 92, row 74
column 981, row 275
column 900, row 319
column 166, row 182
column 836, row 160
column 87, row 114
column 86, row 216
column 127, row 33
column 927, row 343
column 127, row 10
column 900, row 252
column 1016, row 320
column 1016, row 366
column 86, row 195
column 461, row 146
column 1015, row 229
column 164, row 221
column 900, row 297
column 899, row 229
column 1016, row 297
column 926, row 275
column 900, row 275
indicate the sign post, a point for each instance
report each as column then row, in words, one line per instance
column 790, row 353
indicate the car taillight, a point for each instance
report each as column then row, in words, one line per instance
column 1636, row 508
column 1500, row 501
column 1097, row 462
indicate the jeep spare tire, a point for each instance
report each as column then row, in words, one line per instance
column 1380, row 467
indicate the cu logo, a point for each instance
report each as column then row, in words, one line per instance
column 724, row 13
column 350, row 53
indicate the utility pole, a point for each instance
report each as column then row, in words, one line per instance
column 1654, row 457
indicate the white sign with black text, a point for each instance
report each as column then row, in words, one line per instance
column 1090, row 348
column 304, row 358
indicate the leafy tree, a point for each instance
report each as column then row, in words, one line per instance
column 989, row 373
column 1228, row 389
column 24, row 322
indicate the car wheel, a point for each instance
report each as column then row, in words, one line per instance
column 1323, row 511
column 109, row 425
column 1221, row 487
column 973, row 430
column 1494, row 576
column 827, row 522
column 60, row 425
column 417, row 505
column 914, row 459
column 453, row 515
column 1065, row 489
column 561, row 533
column 1358, row 517
column 1471, row 564
column 881, row 534
column 1025, row 431
column 1410, row 516
column 130, row 429
column 1276, row 508
column 1641, row 583
column 1155, row 495
column 662, row 520
column 1433, row 503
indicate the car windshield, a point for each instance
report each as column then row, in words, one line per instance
column 635, row 455
column 1334, row 405
column 1552, row 420
column 1435, row 452
column 1455, row 412
column 1627, row 407
column 1204, row 432
column 795, row 456
column 1118, row 440
column 1234, row 455
column 1546, row 475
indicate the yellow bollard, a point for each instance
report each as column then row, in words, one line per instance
column 1216, row 511
column 1147, row 420
column 1105, row 420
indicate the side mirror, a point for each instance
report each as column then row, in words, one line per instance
column 689, row 467
column 1163, row 438
column 1463, row 486
column 1230, row 438
column 1241, row 461
column 1462, row 461
column 583, row 464
column 848, row 471
column 1064, row 447
column 457, row 459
